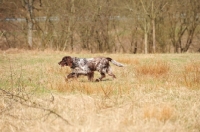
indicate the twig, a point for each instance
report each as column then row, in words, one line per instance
column 32, row 104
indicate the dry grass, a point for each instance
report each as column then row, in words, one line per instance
column 152, row 93
column 191, row 74
column 153, row 68
column 162, row 113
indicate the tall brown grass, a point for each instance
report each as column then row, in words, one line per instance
column 191, row 75
column 154, row 68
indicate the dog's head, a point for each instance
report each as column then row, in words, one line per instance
column 66, row 61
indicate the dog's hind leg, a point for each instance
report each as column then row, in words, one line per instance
column 109, row 72
column 103, row 75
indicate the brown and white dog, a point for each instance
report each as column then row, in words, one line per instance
column 87, row 66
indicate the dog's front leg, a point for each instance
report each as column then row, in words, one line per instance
column 90, row 76
column 71, row 75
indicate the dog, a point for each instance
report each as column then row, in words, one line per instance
column 87, row 66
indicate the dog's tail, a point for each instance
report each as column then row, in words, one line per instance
column 115, row 62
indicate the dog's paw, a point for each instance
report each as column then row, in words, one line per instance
column 97, row 80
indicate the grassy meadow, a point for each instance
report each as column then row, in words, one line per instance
column 154, row 93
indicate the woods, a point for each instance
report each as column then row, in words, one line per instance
column 129, row 26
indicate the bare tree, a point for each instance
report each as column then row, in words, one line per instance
column 99, row 26
column 151, row 10
column 183, row 24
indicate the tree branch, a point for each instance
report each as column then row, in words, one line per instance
column 27, row 102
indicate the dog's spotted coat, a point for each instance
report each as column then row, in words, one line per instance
column 87, row 66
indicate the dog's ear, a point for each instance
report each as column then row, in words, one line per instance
column 69, row 61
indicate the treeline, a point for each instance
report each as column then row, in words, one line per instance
column 128, row 26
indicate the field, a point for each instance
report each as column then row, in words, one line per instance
column 154, row 93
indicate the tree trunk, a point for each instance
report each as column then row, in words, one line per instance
column 30, row 34
column 145, row 43
column 189, row 38
column 135, row 48
column 30, row 24
column 154, row 35
column 146, row 38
